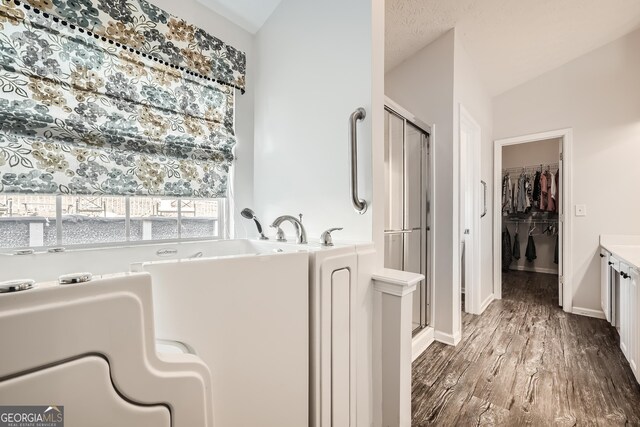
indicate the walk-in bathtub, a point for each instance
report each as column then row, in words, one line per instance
column 275, row 322
column 44, row 266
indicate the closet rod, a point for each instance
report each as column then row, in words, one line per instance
column 532, row 220
column 531, row 168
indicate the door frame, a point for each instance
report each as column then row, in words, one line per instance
column 567, row 196
column 472, row 303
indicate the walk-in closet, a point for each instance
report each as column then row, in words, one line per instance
column 531, row 210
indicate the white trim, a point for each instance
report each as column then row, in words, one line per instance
column 421, row 342
column 399, row 278
column 431, row 221
column 540, row 270
column 567, row 200
column 393, row 288
column 486, row 303
column 448, row 338
column 472, row 302
column 598, row 314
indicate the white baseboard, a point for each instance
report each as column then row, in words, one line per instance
column 535, row 269
column 486, row 303
column 421, row 342
column 598, row 314
column 447, row 338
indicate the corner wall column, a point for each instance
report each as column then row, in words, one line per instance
column 397, row 289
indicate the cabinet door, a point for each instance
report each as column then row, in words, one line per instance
column 624, row 310
column 605, row 284
column 341, row 348
column 634, row 323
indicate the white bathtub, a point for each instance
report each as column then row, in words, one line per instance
column 44, row 266
column 275, row 322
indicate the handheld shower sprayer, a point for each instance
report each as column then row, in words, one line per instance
column 249, row 214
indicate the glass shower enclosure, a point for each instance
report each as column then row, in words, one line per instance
column 406, row 159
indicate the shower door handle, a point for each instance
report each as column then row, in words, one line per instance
column 484, row 198
column 359, row 205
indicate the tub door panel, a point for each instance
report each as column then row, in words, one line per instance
column 333, row 358
column 85, row 396
column 340, row 352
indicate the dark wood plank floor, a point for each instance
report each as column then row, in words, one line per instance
column 525, row 361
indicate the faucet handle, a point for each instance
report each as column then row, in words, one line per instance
column 280, row 237
column 325, row 237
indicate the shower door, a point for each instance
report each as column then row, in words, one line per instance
column 406, row 214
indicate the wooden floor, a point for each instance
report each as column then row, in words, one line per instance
column 524, row 361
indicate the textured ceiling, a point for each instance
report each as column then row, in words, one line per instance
column 510, row 41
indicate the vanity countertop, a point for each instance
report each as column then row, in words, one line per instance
column 625, row 248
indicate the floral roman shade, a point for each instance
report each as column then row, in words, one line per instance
column 112, row 98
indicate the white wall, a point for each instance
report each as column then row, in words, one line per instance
column 318, row 62
column 470, row 91
column 529, row 154
column 195, row 13
column 315, row 61
column 423, row 84
column 598, row 95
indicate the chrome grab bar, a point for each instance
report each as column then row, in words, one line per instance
column 359, row 205
column 484, row 197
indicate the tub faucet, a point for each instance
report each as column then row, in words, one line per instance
column 301, row 234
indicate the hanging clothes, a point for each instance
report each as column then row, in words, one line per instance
column 506, row 250
column 516, row 245
column 558, row 201
column 530, row 253
column 551, row 192
column 536, row 191
column 556, row 253
column 521, row 199
column 528, row 185
column 543, row 192
column 507, row 195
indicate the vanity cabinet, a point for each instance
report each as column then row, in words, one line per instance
column 634, row 321
column 620, row 300
column 629, row 318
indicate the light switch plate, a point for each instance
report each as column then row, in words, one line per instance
column 581, row 210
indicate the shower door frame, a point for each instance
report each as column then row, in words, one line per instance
column 427, row 204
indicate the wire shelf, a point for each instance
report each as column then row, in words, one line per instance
column 531, row 168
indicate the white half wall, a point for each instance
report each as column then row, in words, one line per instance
column 423, row 84
column 315, row 62
column 598, row 95
column 242, row 179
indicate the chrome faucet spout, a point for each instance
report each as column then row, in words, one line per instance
column 301, row 233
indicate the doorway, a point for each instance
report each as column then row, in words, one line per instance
column 407, row 237
column 531, row 199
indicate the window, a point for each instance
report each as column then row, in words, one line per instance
column 28, row 221
column 35, row 221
